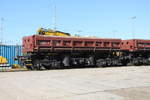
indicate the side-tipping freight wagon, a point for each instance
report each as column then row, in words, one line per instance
column 137, row 51
column 63, row 52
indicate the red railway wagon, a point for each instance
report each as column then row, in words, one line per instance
column 135, row 45
column 137, row 51
column 40, row 42
column 50, row 51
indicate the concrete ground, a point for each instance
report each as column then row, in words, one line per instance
column 115, row 83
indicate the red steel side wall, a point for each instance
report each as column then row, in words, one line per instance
column 28, row 44
column 35, row 42
column 135, row 45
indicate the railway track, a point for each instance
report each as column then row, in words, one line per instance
column 25, row 69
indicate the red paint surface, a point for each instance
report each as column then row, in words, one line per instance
column 36, row 42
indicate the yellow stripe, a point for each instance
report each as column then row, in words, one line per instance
column 28, row 60
column 28, row 64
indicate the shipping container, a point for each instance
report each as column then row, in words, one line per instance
column 10, row 52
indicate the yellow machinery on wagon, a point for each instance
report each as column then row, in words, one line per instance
column 50, row 32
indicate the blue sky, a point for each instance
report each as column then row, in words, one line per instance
column 101, row 18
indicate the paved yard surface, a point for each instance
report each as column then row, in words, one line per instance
column 116, row 83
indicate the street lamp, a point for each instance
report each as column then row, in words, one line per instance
column 133, row 26
column 1, row 30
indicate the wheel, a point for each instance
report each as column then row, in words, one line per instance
column 124, row 64
column 29, row 67
column 65, row 61
column 37, row 65
column 47, row 67
column 91, row 60
column 101, row 63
